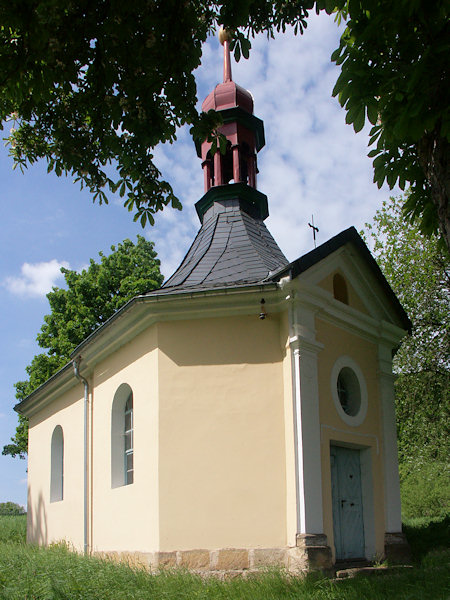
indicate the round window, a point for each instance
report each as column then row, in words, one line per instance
column 349, row 391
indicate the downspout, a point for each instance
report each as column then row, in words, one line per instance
column 76, row 366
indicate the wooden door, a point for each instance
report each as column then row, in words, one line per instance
column 348, row 524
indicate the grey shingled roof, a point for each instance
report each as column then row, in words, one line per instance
column 231, row 248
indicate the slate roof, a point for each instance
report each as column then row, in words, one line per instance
column 232, row 247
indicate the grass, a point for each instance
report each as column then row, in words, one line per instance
column 427, row 535
column 13, row 529
column 31, row 573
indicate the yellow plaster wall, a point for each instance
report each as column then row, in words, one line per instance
column 222, row 436
column 338, row 342
column 62, row 520
column 353, row 299
column 125, row 518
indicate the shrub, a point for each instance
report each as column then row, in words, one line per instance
column 425, row 489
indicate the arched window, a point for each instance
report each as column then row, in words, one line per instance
column 340, row 288
column 122, row 452
column 57, row 465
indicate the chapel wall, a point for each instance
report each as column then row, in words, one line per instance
column 53, row 521
column 125, row 517
column 367, row 436
column 222, row 434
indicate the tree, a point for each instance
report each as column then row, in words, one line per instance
column 418, row 269
column 11, row 509
column 91, row 297
column 88, row 83
column 394, row 58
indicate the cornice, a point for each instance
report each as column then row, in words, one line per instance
column 142, row 312
column 327, row 308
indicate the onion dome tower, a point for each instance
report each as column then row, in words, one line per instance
column 233, row 246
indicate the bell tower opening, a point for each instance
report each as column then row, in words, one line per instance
column 243, row 131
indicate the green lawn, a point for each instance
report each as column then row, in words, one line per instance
column 55, row 573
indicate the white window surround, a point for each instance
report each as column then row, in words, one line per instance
column 342, row 363
column 57, row 465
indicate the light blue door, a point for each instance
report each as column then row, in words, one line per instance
column 347, row 503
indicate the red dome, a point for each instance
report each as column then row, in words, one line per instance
column 228, row 95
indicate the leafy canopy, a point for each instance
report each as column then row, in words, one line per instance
column 11, row 509
column 90, row 83
column 394, row 71
column 418, row 269
column 89, row 299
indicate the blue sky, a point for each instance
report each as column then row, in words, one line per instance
column 313, row 163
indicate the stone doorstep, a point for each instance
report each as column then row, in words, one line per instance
column 367, row 571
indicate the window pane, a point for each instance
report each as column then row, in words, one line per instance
column 129, row 477
column 128, row 441
column 129, row 462
column 129, row 403
column 128, row 421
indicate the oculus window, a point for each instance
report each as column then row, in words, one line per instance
column 349, row 391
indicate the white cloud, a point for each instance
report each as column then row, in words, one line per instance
column 36, row 279
column 313, row 163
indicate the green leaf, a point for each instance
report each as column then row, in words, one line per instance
column 358, row 123
column 372, row 112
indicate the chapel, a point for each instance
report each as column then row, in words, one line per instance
column 241, row 416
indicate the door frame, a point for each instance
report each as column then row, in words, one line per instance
column 365, row 458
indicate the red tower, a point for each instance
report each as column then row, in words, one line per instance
column 233, row 246
column 244, row 131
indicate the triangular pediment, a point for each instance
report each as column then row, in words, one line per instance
column 346, row 258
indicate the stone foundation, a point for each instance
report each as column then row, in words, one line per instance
column 396, row 548
column 310, row 554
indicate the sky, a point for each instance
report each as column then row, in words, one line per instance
column 312, row 164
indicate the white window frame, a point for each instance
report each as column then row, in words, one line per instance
column 358, row 418
column 120, row 474
column 57, row 465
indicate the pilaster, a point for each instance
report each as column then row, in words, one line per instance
column 392, row 506
column 305, row 350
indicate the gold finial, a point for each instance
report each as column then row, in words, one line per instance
column 224, row 35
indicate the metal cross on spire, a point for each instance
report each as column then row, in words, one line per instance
column 314, row 230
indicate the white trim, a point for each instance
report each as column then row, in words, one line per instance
column 347, row 432
column 57, row 465
column 327, row 308
column 300, row 480
column 305, row 351
column 358, row 419
column 355, row 270
column 392, row 503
